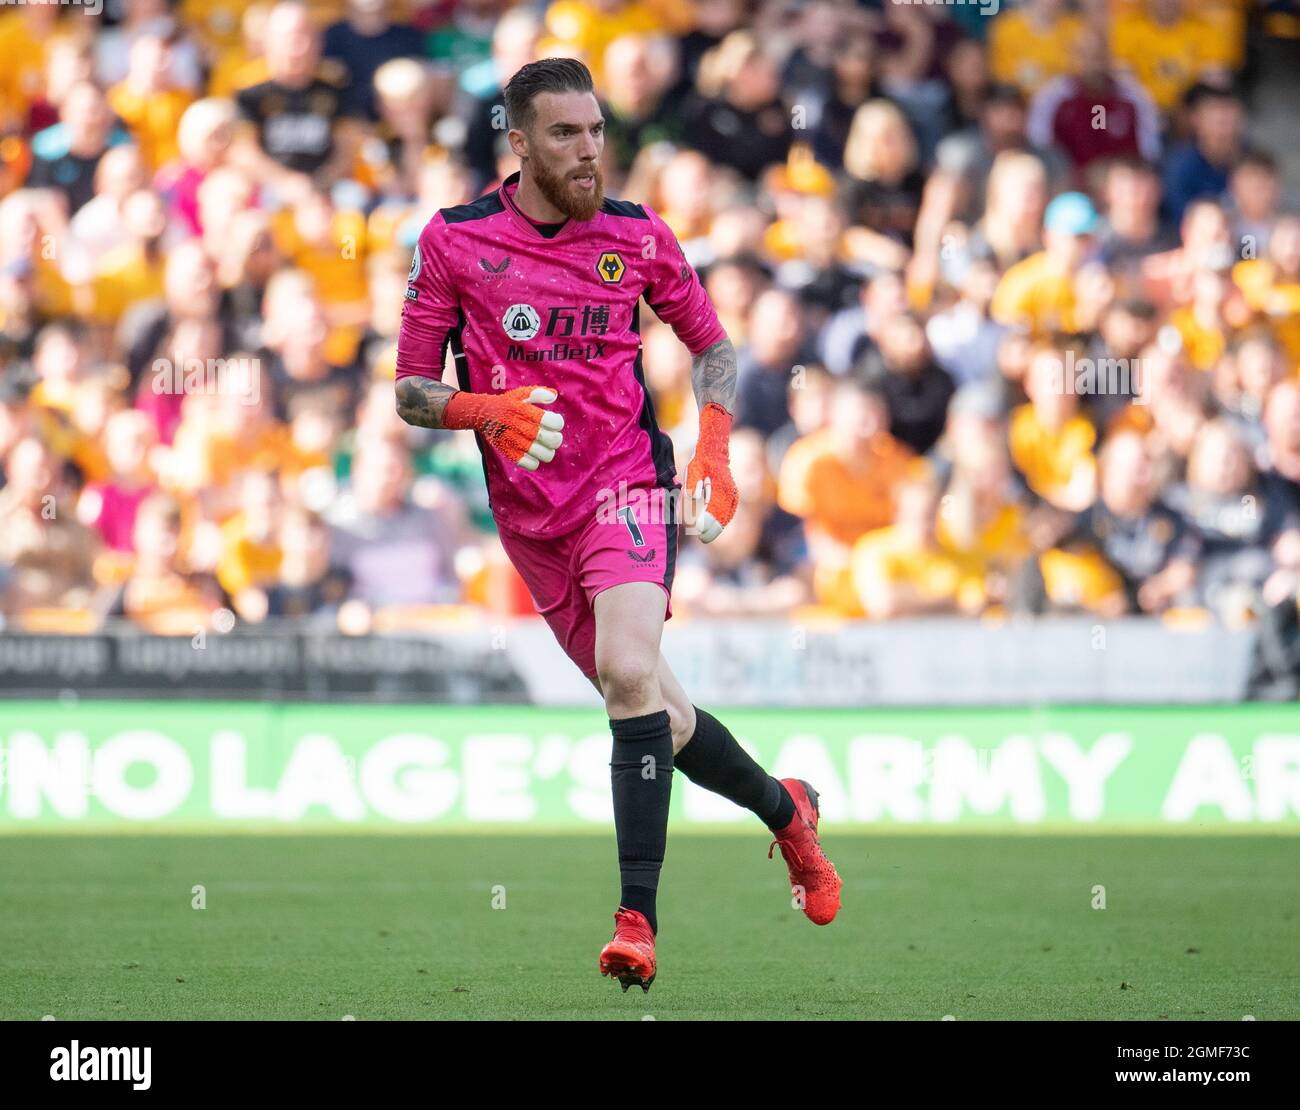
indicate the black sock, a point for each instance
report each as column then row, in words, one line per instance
column 641, row 774
column 712, row 759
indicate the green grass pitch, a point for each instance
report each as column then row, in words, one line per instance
column 403, row 926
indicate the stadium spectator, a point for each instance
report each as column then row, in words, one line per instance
column 24, row 34
column 49, row 554
column 812, row 389
column 98, row 227
column 1169, row 48
column 1034, row 44
column 964, row 159
column 405, row 101
column 159, row 593
column 963, row 337
column 203, row 139
column 841, row 482
column 1011, row 226
column 515, row 42
column 150, row 18
column 1223, row 499
column 736, row 117
column 69, row 61
column 643, row 106
column 148, row 101
column 1051, row 441
column 585, row 28
column 1133, row 228
column 756, row 570
column 1150, row 549
column 836, row 95
column 465, row 39
column 1204, row 232
column 818, row 269
column 1126, row 328
column 66, row 162
column 395, row 552
column 776, row 341
column 1096, row 112
column 1216, row 306
column 916, row 388
column 1254, row 197
column 1202, row 167
column 132, row 272
column 190, row 292
column 982, row 518
column 1281, row 465
column 295, row 124
column 306, row 585
column 1247, row 374
column 904, row 571
column 362, row 43
column 1040, row 293
column 850, row 335
column 914, row 43
column 1271, row 285
column 110, row 507
column 241, row 61
column 881, row 191
column 250, row 546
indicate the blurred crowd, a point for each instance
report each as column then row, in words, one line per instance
column 1016, row 299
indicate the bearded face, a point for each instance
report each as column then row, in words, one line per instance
column 578, row 193
column 564, row 143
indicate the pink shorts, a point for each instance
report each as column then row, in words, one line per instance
column 635, row 543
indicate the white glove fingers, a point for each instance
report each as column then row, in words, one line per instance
column 548, row 439
column 708, row 528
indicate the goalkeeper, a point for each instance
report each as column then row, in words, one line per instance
column 536, row 289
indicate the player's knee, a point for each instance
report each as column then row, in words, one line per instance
column 629, row 684
column 681, row 719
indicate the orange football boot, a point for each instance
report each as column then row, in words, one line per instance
column 812, row 876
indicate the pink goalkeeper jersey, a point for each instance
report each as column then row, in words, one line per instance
column 521, row 308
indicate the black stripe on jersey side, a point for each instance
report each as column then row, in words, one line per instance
column 670, row 543
column 487, row 205
column 623, row 208
column 457, row 344
column 454, row 339
column 661, row 447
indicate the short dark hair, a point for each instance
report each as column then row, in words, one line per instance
column 999, row 92
column 1258, row 160
column 1134, row 163
column 550, row 75
column 1203, row 91
column 1138, row 307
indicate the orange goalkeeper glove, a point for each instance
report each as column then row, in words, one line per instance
column 709, row 474
column 511, row 422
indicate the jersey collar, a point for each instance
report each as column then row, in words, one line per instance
column 517, row 213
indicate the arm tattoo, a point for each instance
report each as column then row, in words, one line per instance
column 713, row 373
column 420, row 401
